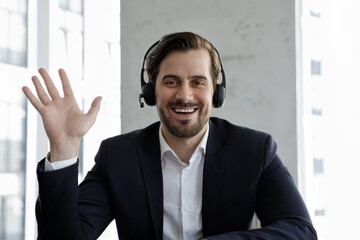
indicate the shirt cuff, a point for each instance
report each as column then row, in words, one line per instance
column 49, row 166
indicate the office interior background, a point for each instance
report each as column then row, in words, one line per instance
column 292, row 70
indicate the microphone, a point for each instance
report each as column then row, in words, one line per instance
column 141, row 96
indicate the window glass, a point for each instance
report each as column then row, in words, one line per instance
column 330, row 114
column 70, row 41
column 12, row 163
column 13, row 28
column 71, row 5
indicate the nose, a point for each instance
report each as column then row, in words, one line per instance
column 184, row 93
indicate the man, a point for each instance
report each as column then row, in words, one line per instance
column 188, row 176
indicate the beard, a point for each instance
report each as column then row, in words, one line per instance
column 184, row 130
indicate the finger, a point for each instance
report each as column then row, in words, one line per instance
column 49, row 84
column 94, row 109
column 65, row 83
column 34, row 101
column 44, row 98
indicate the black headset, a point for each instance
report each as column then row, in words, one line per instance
column 148, row 89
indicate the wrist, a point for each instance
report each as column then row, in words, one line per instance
column 63, row 151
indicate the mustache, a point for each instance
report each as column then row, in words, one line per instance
column 183, row 104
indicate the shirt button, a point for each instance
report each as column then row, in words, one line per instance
column 187, row 209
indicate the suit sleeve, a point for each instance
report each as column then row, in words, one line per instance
column 65, row 210
column 279, row 205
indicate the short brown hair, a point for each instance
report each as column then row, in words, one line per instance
column 181, row 41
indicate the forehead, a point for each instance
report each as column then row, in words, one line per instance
column 189, row 60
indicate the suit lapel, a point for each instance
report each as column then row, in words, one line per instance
column 213, row 166
column 149, row 157
column 150, row 163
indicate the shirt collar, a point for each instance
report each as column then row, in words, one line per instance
column 164, row 147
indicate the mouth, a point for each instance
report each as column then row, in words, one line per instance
column 184, row 110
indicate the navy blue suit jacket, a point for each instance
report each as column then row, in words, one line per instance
column 242, row 175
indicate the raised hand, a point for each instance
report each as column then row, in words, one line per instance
column 63, row 120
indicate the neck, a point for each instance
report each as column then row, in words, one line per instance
column 183, row 147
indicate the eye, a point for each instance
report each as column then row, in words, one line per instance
column 171, row 83
column 198, row 82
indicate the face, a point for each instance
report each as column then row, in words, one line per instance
column 184, row 91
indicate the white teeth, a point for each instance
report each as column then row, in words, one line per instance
column 184, row 110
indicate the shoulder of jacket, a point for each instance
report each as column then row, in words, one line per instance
column 136, row 135
column 228, row 129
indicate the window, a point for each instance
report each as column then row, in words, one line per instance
column 329, row 113
column 66, row 34
column 13, row 28
column 12, row 163
column 70, row 37
column 318, row 165
column 13, row 108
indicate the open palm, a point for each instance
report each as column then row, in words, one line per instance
column 63, row 120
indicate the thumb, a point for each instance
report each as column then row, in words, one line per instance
column 95, row 107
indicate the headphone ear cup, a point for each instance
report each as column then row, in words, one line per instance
column 148, row 94
column 219, row 96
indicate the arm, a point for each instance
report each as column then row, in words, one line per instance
column 279, row 206
column 65, row 125
column 66, row 211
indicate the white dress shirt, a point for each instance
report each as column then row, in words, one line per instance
column 182, row 185
column 51, row 166
column 182, row 191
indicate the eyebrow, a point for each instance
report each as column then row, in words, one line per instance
column 177, row 77
column 170, row 76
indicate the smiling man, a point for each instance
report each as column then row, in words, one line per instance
column 188, row 176
column 184, row 90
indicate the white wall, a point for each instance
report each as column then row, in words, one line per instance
column 256, row 39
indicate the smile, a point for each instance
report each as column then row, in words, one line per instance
column 184, row 110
